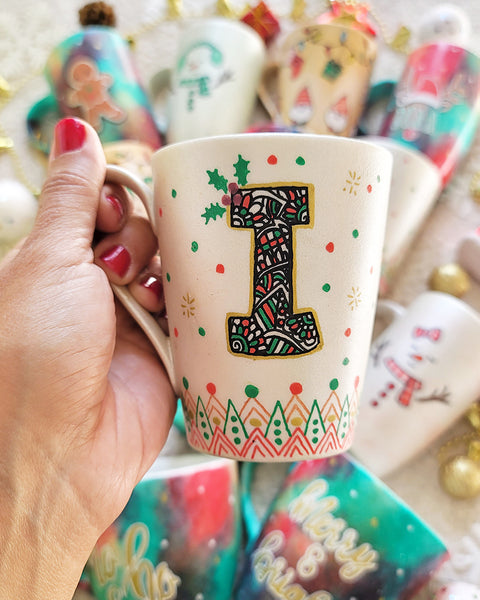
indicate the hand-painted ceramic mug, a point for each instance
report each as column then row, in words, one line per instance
column 271, row 248
column 214, row 81
column 321, row 79
column 178, row 537
column 420, row 379
column 416, row 185
column 92, row 76
column 336, row 532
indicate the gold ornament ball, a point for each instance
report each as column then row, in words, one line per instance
column 460, row 477
column 451, row 279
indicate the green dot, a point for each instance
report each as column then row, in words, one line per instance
column 277, row 432
column 355, row 233
column 185, row 383
column 277, row 422
column 345, row 361
column 378, row 178
column 234, row 419
column 251, row 391
column 237, row 441
column 326, row 287
column 205, row 435
column 334, row 384
column 201, row 331
column 315, row 430
column 235, row 429
column 315, row 440
column 194, row 246
column 174, row 193
column 278, row 441
column 168, row 276
column 300, row 160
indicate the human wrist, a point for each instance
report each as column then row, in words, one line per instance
column 45, row 533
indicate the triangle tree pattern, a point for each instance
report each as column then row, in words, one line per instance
column 252, row 433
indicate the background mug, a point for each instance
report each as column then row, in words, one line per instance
column 92, row 76
column 213, row 85
column 271, row 248
column 178, row 537
column 321, row 79
column 435, row 106
column 336, row 532
column 416, row 185
column 419, row 379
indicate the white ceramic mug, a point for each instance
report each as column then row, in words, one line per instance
column 214, row 81
column 422, row 376
column 416, row 185
column 271, row 248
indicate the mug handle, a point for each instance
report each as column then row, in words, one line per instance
column 159, row 340
column 379, row 98
column 41, row 120
column 265, row 91
column 388, row 311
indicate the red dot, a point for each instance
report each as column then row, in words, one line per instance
column 272, row 159
column 220, row 268
column 348, row 332
column 160, row 212
column 175, row 332
column 211, row 388
column 330, row 247
column 374, row 403
column 369, row 188
column 296, row 388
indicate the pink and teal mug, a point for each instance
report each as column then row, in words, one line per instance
column 178, row 537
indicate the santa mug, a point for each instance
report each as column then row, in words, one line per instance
column 421, row 377
column 320, row 80
column 435, row 106
column 213, row 85
column 271, row 249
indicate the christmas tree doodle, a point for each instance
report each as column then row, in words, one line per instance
column 272, row 328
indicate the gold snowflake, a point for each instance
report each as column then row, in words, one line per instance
column 355, row 297
column 353, row 180
column 188, row 306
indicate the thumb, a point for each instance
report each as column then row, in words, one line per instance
column 71, row 192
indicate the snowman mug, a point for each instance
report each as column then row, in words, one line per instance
column 422, row 376
column 271, row 248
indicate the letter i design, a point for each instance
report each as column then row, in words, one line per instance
column 273, row 328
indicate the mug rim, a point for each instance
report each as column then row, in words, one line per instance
column 278, row 137
column 179, row 465
column 459, row 304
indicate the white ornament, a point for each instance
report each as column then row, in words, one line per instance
column 18, row 209
column 444, row 23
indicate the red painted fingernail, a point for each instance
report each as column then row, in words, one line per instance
column 117, row 205
column 117, row 259
column 154, row 284
column 70, row 135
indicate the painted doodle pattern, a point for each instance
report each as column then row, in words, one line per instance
column 272, row 328
column 295, row 428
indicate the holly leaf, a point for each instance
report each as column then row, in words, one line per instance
column 213, row 211
column 241, row 170
column 219, row 181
